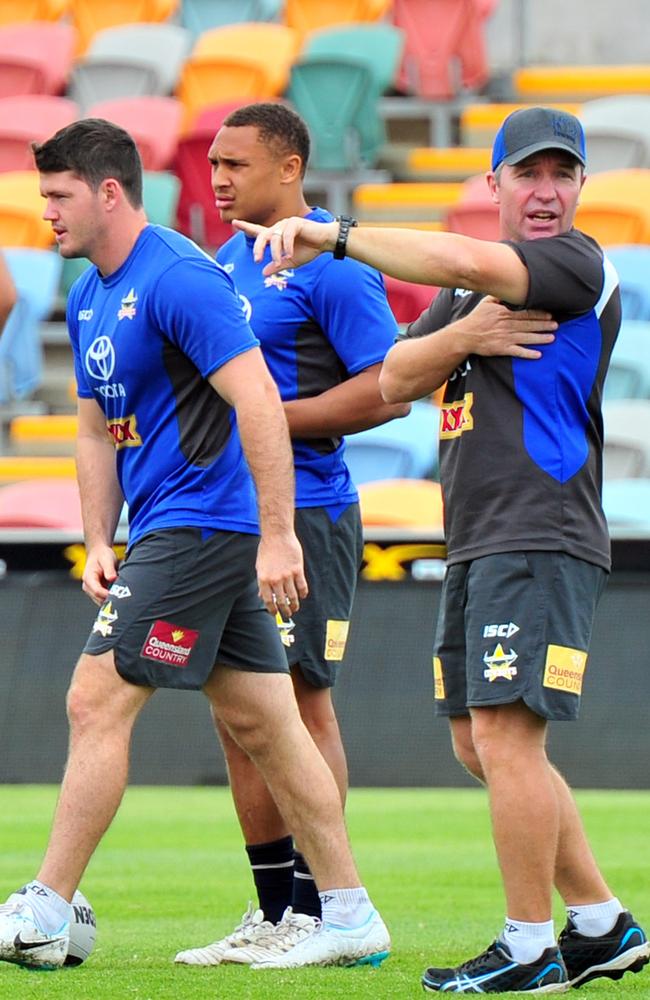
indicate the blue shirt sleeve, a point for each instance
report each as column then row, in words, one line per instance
column 197, row 307
column 349, row 302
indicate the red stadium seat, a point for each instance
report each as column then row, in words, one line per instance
column 41, row 503
column 474, row 214
column 26, row 118
column 154, row 123
column 406, row 299
column 35, row 58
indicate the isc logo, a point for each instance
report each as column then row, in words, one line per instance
column 499, row 631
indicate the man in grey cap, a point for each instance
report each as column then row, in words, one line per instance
column 528, row 549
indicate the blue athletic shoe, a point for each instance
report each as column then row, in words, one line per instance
column 495, row 971
column 623, row 949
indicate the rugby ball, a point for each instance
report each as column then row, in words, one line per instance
column 83, row 930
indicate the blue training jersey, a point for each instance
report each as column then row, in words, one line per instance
column 318, row 325
column 145, row 339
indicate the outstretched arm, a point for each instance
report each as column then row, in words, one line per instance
column 412, row 255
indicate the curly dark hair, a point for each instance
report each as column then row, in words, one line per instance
column 277, row 124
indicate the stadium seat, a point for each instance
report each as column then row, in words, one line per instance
column 626, row 503
column 617, row 130
column 239, row 61
column 154, row 123
column 310, row 15
column 378, row 47
column 400, row 449
column 202, row 15
column 131, row 60
column 451, row 163
column 160, row 193
column 615, row 206
column 480, row 121
column 41, row 503
column 329, row 93
column 474, row 214
column 91, row 16
column 627, row 438
column 438, row 61
column 402, row 503
column 43, row 433
column 633, row 266
column 406, row 299
column 579, row 83
column 31, row 10
column 404, row 201
column 628, row 376
column 26, row 118
column 21, row 210
column 35, row 58
column 17, row 468
column 197, row 216
column 36, row 275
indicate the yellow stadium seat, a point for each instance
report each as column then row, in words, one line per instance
column 21, row 210
column 43, row 434
column 447, row 163
column 91, row 16
column 238, row 61
column 309, row 15
column 415, row 201
column 401, row 503
column 32, row 10
column 615, row 206
column 579, row 83
column 14, row 468
column 479, row 123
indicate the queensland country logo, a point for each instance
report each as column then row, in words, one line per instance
column 565, row 668
column 127, row 307
column 456, row 417
column 123, row 432
column 285, row 628
column 105, row 618
column 438, row 679
column 169, row 644
column 336, row 637
column 499, row 665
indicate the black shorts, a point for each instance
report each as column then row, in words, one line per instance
column 515, row 626
column 184, row 601
column 316, row 636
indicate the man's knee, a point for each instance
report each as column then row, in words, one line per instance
column 98, row 697
column 463, row 746
column 316, row 710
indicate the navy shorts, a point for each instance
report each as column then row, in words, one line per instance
column 316, row 636
column 515, row 626
column 184, row 601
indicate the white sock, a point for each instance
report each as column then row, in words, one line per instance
column 525, row 941
column 50, row 910
column 596, row 918
column 345, row 907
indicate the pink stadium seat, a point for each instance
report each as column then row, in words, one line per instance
column 27, row 118
column 35, row 58
column 154, row 123
column 41, row 503
column 406, row 299
column 475, row 214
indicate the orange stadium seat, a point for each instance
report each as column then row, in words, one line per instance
column 615, row 206
column 35, row 58
column 26, row 118
column 154, row 123
column 579, row 83
column 239, row 61
column 21, row 211
column 32, row 10
column 404, row 201
column 480, row 122
column 401, row 503
column 91, row 16
column 309, row 15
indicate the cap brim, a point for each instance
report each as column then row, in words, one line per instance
column 538, row 147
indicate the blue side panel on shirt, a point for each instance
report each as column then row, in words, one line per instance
column 555, row 420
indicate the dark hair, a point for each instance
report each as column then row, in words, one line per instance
column 93, row 149
column 276, row 124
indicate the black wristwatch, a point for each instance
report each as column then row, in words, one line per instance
column 346, row 223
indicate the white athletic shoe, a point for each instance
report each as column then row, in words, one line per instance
column 278, row 940
column 328, row 945
column 251, row 926
column 23, row 942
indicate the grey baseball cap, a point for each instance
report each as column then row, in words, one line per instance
column 530, row 130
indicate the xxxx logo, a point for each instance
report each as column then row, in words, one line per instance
column 456, row 417
column 124, row 432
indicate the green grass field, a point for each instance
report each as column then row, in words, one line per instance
column 171, row 874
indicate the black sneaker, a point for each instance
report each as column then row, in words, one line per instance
column 495, row 971
column 623, row 949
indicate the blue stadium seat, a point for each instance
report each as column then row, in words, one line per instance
column 633, row 265
column 36, row 274
column 198, row 16
column 626, row 503
column 629, row 370
column 405, row 448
